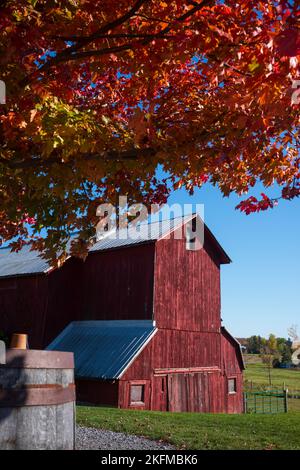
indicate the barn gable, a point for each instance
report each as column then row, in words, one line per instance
column 236, row 347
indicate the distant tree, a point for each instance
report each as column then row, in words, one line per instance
column 281, row 343
column 293, row 332
column 269, row 354
column 286, row 354
column 255, row 344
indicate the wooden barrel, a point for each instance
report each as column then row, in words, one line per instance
column 37, row 400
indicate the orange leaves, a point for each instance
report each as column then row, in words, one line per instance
column 33, row 114
column 139, row 124
column 100, row 92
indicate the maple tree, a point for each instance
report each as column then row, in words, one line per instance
column 99, row 93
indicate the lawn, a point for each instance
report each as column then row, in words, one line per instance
column 199, row 431
column 258, row 374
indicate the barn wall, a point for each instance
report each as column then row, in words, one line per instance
column 64, row 299
column 205, row 391
column 41, row 305
column 187, row 287
column 232, row 368
column 98, row 392
column 176, row 349
column 191, row 391
column 23, row 307
column 118, row 284
column 195, row 392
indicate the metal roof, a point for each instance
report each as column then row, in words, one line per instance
column 27, row 262
column 104, row 349
column 21, row 263
column 141, row 233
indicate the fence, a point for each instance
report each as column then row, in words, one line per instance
column 268, row 401
column 293, row 400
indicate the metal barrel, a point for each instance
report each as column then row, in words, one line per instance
column 37, row 400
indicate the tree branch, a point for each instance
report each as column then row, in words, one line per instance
column 104, row 29
column 116, row 36
column 132, row 154
column 71, row 53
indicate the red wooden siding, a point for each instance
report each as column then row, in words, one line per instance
column 64, row 298
column 23, row 307
column 118, row 284
column 232, row 368
column 186, row 288
column 198, row 392
column 175, row 390
column 41, row 305
column 176, row 349
column 97, row 392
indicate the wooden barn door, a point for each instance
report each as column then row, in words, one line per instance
column 160, row 393
column 188, row 392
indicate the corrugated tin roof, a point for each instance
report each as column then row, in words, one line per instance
column 27, row 262
column 141, row 234
column 22, row 263
column 104, row 349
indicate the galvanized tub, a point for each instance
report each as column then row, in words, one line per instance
column 37, row 400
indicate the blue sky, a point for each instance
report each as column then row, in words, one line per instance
column 260, row 289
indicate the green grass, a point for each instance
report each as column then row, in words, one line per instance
column 199, row 431
column 258, row 374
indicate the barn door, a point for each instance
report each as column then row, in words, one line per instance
column 178, row 392
column 160, row 393
column 188, row 392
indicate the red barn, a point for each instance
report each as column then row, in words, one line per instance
column 35, row 299
column 148, row 333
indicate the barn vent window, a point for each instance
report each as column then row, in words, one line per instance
column 137, row 394
column 232, row 385
column 190, row 237
column 194, row 232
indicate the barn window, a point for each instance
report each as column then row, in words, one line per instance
column 232, row 385
column 137, row 394
column 194, row 232
column 190, row 238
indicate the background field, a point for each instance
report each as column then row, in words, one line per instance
column 199, row 431
column 258, row 375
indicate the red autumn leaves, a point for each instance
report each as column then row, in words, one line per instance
column 288, row 42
